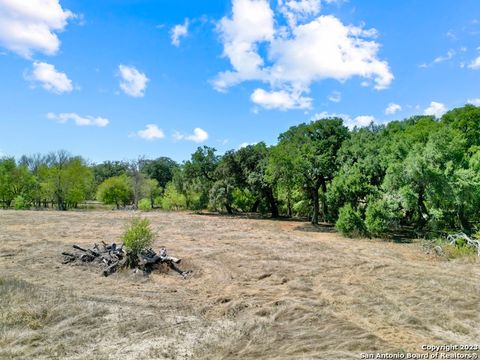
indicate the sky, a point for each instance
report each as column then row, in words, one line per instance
column 114, row 80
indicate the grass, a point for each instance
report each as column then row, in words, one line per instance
column 259, row 289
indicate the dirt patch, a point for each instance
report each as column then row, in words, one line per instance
column 259, row 289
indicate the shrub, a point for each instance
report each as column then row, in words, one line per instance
column 379, row 217
column 20, row 203
column 243, row 199
column 145, row 204
column 172, row 199
column 349, row 222
column 138, row 235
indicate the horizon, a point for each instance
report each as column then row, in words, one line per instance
column 116, row 81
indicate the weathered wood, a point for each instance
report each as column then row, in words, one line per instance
column 112, row 257
column 452, row 239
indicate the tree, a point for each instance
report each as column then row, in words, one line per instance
column 108, row 169
column 199, row 172
column 253, row 161
column 15, row 180
column 160, row 169
column 115, row 190
column 67, row 180
column 311, row 151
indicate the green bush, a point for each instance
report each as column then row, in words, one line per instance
column 349, row 222
column 172, row 199
column 145, row 204
column 20, row 203
column 138, row 235
column 243, row 199
column 379, row 217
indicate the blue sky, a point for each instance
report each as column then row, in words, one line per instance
column 119, row 79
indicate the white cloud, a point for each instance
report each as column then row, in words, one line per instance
column 199, row 135
column 31, row 26
column 79, row 120
column 151, row 132
column 392, row 108
column 364, row 120
column 179, row 31
column 50, row 79
column 475, row 102
column 475, row 64
column 436, row 109
column 439, row 59
column 299, row 54
column 359, row 121
column 133, row 82
column 245, row 144
column 298, row 10
column 281, row 100
column 450, row 54
column 335, row 96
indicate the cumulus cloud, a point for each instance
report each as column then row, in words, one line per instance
column 364, row 120
column 49, row 78
column 133, row 82
column 32, row 26
column 335, row 96
column 475, row 64
column 358, row 121
column 179, row 31
column 151, row 132
column 475, row 102
column 282, row 100
column 199, row 135
column 436, row 109
column 78, row 120
column 298, row 10
column 309, row 49
column 392, row 108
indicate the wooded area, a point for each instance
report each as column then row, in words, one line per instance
column 421, row 172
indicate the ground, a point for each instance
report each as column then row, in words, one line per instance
column 260, row 289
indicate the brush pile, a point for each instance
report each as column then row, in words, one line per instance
column 111, row 258
column 461, row 239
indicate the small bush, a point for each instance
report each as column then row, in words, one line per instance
column 172, row 199
column 145, row 205
column 349, row 222
column 19, row 203
column 379, row 217
column 138, row 236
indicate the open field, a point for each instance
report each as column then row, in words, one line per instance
column 260, row 289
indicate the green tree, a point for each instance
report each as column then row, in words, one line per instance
column 115, row 190
column 311, row 151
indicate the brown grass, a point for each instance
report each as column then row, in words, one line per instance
column 260, row 289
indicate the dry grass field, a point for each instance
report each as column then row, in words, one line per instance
column 260, row 289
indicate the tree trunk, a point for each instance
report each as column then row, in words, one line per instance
column 229, row 208
column 422, row 209
column 273, row 203
column 316, row 206
column 254, row 207
column 323, row 184
column 289, row 204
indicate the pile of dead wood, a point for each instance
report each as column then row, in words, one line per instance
column 112, row 258
column 455, row 239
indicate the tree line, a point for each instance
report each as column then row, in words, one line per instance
column 421, row 172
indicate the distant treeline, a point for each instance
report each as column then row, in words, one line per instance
column 421, row 172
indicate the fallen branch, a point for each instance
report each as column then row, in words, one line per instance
column 453, row 238
column 112, row 258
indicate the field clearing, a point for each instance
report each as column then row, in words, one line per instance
column 260, row 289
